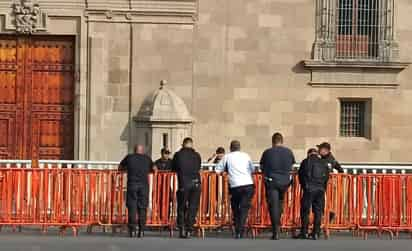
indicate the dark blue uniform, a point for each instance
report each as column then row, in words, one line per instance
column 276, row 164
column 313, row 177
column 187, row 164
column 138, row 167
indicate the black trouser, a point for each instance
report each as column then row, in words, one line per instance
column 188, row 198
column 240, row 203
column 275, row 197
column 314, row 199
column 137, row 202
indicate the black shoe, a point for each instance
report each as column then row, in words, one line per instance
column 188, row 235
column 132, row 233
column 275, row 236
column 301, row 236
column 315, row 236
column 181, row 234
column 140, row 234
column 238, row 236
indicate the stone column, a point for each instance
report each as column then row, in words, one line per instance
column 325, row 42
column 388, row 46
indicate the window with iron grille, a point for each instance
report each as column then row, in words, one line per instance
column 355, row 118
column 358, row 30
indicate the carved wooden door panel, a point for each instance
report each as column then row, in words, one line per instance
column 49, row 84
column 36, row 117
column 11, row 97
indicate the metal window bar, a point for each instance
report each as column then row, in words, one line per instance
column 357, row 30
column 352, row 119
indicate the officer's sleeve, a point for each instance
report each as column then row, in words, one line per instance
column 301, row 173
column 293, row 158
column 337, row 166
column 174, row 163
column 152, row 165
column 262, row 160
column 199, row 161
column 123, row 163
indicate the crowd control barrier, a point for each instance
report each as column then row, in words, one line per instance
column 77, row 198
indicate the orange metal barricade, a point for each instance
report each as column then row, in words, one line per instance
column 75, row 198
column 340, row 201
column 385, row 203
column 214, row 209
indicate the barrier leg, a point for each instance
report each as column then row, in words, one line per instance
column 75, row 231
column 326, row 233
column 203, row 233
column 254, row 233
column 391, row 234
column 62, row 231
column 170, row 232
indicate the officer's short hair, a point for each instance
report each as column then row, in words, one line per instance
column 235, row 145
column 220, row 150
column 165, row 151
column 187, row 141
column 277, row 138
column 312, row 151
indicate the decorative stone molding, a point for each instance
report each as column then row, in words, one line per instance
column 179, row 12
column 354, row 74
column 26, row 17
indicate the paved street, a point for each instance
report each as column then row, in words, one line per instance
column 102, row 242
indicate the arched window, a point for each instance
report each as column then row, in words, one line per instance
column 357, row 30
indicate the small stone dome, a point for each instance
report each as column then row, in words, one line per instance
column 164, row 105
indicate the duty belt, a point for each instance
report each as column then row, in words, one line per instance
column 268, row 179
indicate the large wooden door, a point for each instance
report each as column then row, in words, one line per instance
column 36, row 97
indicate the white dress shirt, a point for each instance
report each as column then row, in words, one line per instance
column 239, row 167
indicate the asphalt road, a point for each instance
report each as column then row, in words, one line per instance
column 108, row 242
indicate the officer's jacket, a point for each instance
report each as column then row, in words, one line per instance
column 332, row 163
column 305, row 169
column 187, row 164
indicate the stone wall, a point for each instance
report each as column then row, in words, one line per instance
column 238, row 66
column 110, row 90
column 248, row 61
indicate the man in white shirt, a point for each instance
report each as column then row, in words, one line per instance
column 240, row 168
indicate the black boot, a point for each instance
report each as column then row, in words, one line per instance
column 132, row 232
column 182, row 234
column 275, row 235
column 302, row 236
column 315, row 236
column 188, row 234
column 140, row 234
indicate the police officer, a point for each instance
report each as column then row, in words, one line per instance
column 164, row 163
column 327, row 156
column 276, row 164
column 313, row 176
column 138, row 166
column 187, row 164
